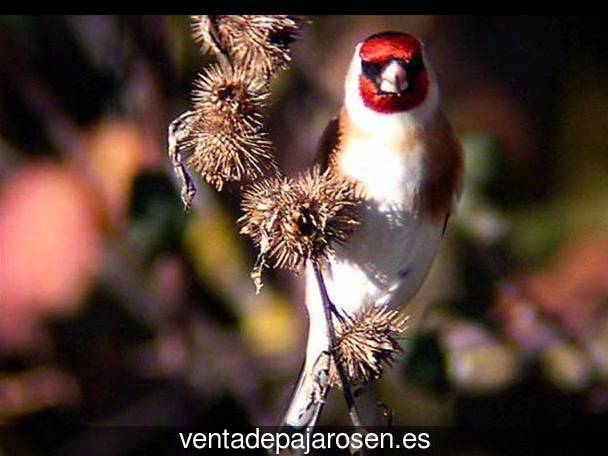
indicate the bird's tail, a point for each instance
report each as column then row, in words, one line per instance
column 312, row 387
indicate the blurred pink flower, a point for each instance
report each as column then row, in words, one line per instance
column 576, row 287
column 50, row 241
column 567, row 298
column 523, row 323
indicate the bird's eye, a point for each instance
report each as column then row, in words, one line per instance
column 415, row 66
column 371, row 70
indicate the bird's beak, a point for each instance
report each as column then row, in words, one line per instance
column 393, row 78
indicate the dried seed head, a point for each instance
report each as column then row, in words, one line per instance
column 295, row 220
column 201, row 33
column 227, row 96
column 366, row 342
column 257, row 43
column 201, row 27
column 227, row 136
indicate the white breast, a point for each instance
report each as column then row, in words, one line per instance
column 384, row 263
column 388, row 178
column 388, row 257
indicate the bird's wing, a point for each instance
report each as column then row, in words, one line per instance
column 328, row 143
column 443, row 183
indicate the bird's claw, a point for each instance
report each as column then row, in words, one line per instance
column 188, row 192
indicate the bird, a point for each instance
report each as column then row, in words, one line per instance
column 392, row 137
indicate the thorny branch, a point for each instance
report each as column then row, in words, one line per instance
column 222, row 55
column 329, row 309
column 291, row 221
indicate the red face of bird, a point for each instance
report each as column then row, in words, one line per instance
column 392, row 73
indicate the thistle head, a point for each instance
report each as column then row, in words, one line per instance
column 293, row 220
column 366, row 342
column 257, row 43
column 227, row 136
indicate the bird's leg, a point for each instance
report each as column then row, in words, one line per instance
column 320, row 371
column 179, row 130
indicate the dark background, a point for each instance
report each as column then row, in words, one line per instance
column 118, row 309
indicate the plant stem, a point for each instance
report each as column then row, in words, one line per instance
column 223, row 57
column 348, row 395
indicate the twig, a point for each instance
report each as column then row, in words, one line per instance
column 348, row 395
column 223, row 56
column 179, row 130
